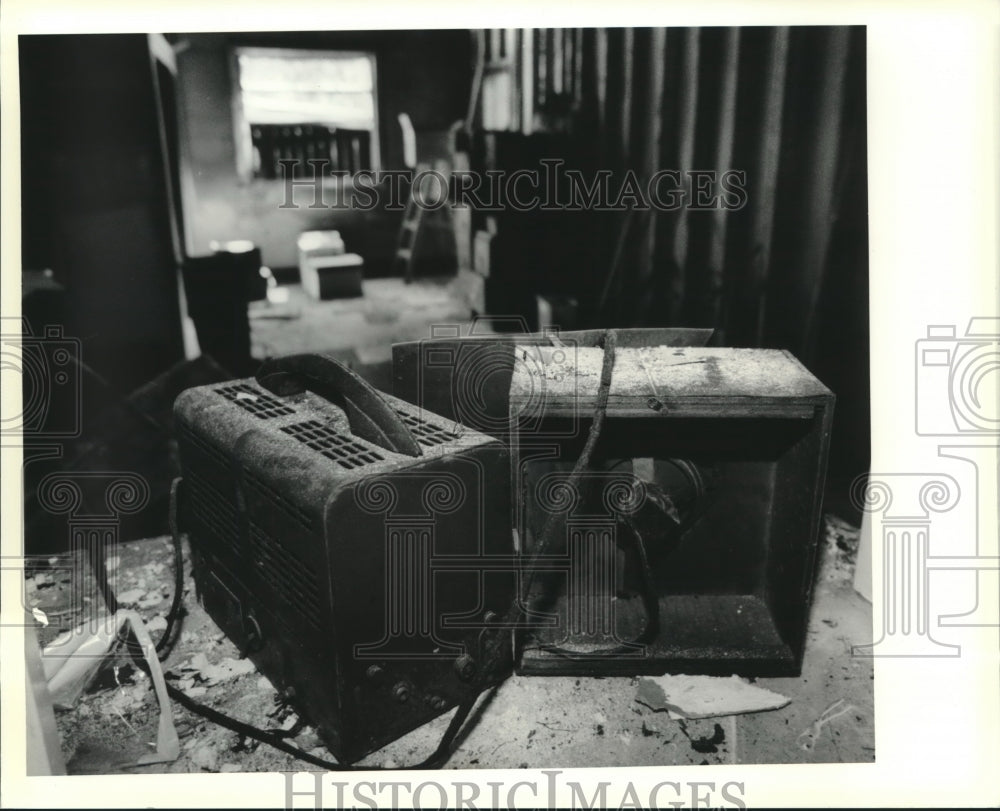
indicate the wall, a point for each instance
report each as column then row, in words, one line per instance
column 95, row 211
column 426, row 74
column 94, row 199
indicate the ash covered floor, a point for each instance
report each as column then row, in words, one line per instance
column 535, row 722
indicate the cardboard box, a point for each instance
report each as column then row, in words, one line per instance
column 326, row 277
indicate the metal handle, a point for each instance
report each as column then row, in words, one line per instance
column 370, row 416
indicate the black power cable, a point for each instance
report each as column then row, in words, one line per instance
column 496, row 650
column 275, row 739
column 163, row 644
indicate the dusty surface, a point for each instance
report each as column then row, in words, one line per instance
column 527, row 722
column 662, row 371
column 364, row 328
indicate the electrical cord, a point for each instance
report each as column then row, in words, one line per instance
column 163, row 644
column 277, row 740
column 650, row 603
column 496, row 651
column 274, row 738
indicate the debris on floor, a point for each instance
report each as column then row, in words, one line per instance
column 841, row 548
column 541, row 722
column 389, row 311
column 706, row 696
column 807, row 740
column 709, row 744
column 225, row 670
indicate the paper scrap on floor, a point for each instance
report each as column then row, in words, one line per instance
column 706, row 696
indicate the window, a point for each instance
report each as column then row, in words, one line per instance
column 305, row 105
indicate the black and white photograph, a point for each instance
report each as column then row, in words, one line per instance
column 490, row 413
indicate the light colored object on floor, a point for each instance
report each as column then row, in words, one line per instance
column 315, row 246
column 808, row 738
column 706, row 696
column 326, row 277
column 320, row 243
column 470, row 289
column 225, row 670
column 43, row 754
column 375, row 353
column 71, row 660
column 863, row 565
column 277, row 295
column 232, row 246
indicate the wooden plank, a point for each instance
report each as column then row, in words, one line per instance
column 496, row 44
column 509, row 45
column 692, row 374
column 477, row 81
column 527, row 67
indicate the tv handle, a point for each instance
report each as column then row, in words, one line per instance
column 369, row 415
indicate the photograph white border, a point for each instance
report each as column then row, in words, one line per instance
column 934, row 203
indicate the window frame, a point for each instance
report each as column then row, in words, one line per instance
column 242, row 126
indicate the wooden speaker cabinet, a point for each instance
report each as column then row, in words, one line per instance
column 710, row 467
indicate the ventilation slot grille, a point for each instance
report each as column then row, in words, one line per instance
column 427, row 433
column 291, row 580
column 261, row 405
column 210, row 451
column 276, row 500
column 215, row 513
column 343, row 450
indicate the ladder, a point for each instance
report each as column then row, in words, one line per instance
column 409, row 230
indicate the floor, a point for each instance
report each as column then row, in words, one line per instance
column 527, row 722
column 538, row 722
column 359, row 331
